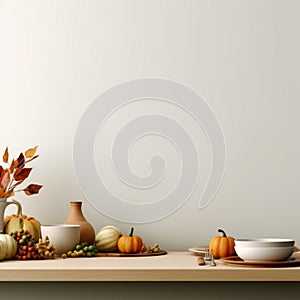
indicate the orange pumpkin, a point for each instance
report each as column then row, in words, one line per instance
column 130, row 243
column 22, row 222
column 222, row 246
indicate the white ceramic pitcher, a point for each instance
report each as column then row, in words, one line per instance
column 3, row 204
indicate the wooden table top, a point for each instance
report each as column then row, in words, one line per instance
column 174, row 266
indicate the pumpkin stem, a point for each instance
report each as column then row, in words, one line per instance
column 21, row 224
column 131, row 231
column 223, row 232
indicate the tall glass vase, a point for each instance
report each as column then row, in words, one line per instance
column 87, row 232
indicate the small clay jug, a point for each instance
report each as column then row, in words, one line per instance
column 87, row 232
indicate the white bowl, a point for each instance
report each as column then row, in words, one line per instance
column 63, row 236
column 264, row 253
column 264, row 242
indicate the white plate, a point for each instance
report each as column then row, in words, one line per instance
column 199, row 250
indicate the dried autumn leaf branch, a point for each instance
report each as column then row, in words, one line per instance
column 16, row 173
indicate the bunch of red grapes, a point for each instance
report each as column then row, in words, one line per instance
column 26, row 245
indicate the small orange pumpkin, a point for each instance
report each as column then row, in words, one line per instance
column 222, row 246
column 130, row 243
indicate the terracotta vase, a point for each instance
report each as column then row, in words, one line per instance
column 87, row 232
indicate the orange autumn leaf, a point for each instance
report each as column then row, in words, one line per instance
column 5, row 155
column 2, row 192
column 13, row 166
column 30, row 152
column 32, row 189
column 21, row 174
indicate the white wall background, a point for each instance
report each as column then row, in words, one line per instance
column 241, row 56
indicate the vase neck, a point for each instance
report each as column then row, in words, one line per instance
column 76, row 211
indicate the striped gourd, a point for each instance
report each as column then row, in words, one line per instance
column 107, row 239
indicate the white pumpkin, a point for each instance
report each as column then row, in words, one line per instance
column 3, row 250
column 107, row 239
column 11, row 245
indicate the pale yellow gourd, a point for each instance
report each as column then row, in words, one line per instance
column 107, row 239
column 22, row 222
column 11, row 245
